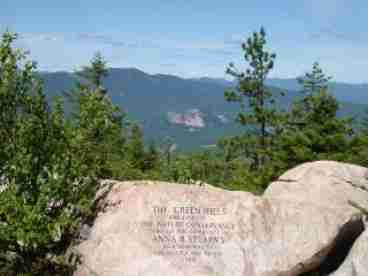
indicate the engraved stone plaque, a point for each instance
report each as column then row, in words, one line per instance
column 166, row 229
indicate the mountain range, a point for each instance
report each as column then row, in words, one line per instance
column 192, row 112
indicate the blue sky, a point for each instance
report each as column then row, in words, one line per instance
column 192, row 38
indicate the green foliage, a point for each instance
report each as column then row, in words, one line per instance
column 314, row 81
column 98, row 125
column 276, row 140
column 135, row 148
column 96, row 71
column 263, row 114
column 358, row 147
column 313, row 130
column 44, row 194
column 152, row 157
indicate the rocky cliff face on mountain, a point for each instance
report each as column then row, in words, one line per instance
column 191, row 118
column 302, row 224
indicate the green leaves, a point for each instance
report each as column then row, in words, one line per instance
column 45, row 191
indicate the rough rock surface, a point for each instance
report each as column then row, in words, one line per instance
column 356, row 264
column 192, row 118
column 302, row 222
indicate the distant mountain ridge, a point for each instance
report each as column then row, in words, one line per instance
column 161, row 102
column 344, row 92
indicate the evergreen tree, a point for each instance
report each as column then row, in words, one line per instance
column 359, row 144
column 167, row 148
column 151, row 157
column 99, row 124
column 257, row 102
column 96, row 71
column 314, row 131
column 135, row 148
column 314, row 81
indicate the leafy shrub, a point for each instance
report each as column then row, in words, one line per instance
column 45, row 192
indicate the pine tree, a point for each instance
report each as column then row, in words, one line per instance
column 151, row 157
column 135, row 148
column 314, row 131
column 257, row 103
column 99, row 124
column 96, row 71
column 359, row 144
column 167, row 148
column 314, row 81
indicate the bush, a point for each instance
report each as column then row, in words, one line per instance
column 45, row 192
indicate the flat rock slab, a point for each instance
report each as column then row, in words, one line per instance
column 164, row 229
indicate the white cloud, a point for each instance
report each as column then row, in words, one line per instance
column 188, row 58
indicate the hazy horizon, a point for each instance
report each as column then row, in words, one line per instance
column 193, row 38
column 225, row 78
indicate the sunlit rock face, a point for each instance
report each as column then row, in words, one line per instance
column 191, row 118
column 165, row 229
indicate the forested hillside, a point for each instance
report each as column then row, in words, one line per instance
column 150, row 99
